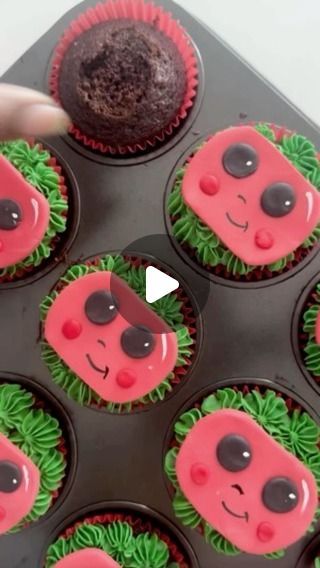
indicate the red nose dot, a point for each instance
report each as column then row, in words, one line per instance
column 126, row 378
column 264, row 239
column 71, row 329
column 199, row 474
column 2, row 514
column 265, row 532
column 209, row 184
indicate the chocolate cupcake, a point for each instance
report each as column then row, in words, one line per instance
column 128, row 79
column 33, row 207
column 115, row 540
column 244, row 471
column 105, row 346
column 122, row 82
column 33, row 458
column 246, row 204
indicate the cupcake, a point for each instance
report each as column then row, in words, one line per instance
column 310, row 334
column 126, row 74
column 244, row 470
column 246, row 204
column 105, row 346
column 115, row 540
column 32, row 458
column 33, row 208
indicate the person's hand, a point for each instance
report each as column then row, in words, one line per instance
column 24, row 112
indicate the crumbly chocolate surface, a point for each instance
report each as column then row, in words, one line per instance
column 122, row 82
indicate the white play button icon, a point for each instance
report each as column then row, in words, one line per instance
column 158, row 284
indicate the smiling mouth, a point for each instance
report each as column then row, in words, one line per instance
column 244, row 226
column 226, row 508
column 104, row 371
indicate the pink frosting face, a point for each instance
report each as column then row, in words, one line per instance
column 24, row 216
column 245, row 484
column 120, row 361
column 19, row 485
column 88, row 557
column 251, row 196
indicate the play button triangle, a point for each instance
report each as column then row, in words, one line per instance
column 158, row 284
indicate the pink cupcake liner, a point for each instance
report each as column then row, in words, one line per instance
column 137, row 10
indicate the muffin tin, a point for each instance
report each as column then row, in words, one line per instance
column 247, row 331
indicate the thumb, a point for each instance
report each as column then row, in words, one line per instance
column 24, row 112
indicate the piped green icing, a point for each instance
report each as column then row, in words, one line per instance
column 118, row 539
column 317, row 563
column 188, row 229
column 312, row 349
column 38, row 435
column 34, row 164
column 168, row 308
column 295, row 430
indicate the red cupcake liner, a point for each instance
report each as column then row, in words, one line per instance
column 53, row 163
column 258, row 274
column 189, row 321
column 138, row 525
column 136, row 10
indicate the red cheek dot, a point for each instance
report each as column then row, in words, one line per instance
column 71, row 329
column 209, row 184
column 265, row 532
column 264, row 239
column 126, row 378
column 199, row 474
column 2, row 514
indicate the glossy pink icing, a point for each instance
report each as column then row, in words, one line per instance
column 15, row 506
column 128, row 378
column 18, row 244
column 88, row 558
column 213, row 200
column 256, row 530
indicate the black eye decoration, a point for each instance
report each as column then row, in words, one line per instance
column 10, row 477
column 234, row 453
column 137, row 342
column 278, row 199
column 240, row 160
column 280, row 495
column 101, row 307
column 10, row 215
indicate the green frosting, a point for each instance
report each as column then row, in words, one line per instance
column 295, row 430
column 118, row 539
column 209, row 250
column 38, row 435
column 317, row 563
column 168, row 308
column 312, row 349
column 34, row 164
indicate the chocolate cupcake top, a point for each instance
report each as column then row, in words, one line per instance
column 122, row 81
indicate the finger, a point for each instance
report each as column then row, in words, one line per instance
column 16, row 95
column 40, row 120
column 24, row 112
